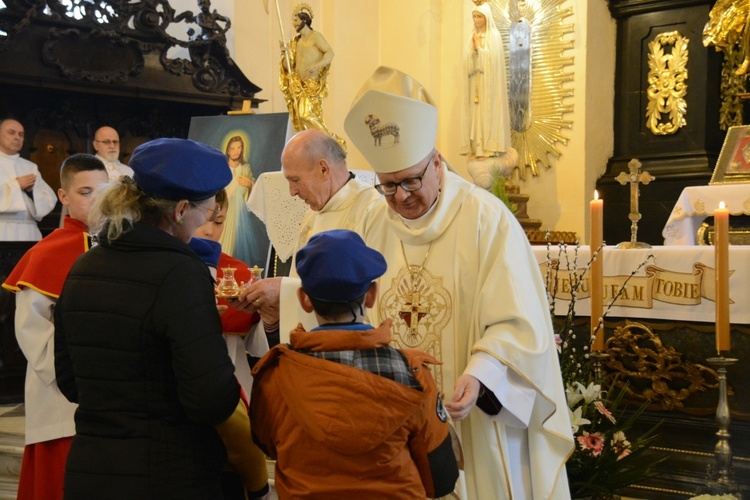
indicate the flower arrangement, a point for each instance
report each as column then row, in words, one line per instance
column 604, row 459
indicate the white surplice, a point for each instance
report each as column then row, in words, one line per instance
column 116, row 169
column 19, row 212
column 345, row 210
column 479, row 306
column 49, row 415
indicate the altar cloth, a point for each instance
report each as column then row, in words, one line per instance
column 698, row 202
column 678, row 283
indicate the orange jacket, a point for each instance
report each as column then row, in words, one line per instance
column 338, row 431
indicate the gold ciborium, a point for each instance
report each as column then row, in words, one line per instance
column 228, row 287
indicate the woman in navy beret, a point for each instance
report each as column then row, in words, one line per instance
column 138, row 340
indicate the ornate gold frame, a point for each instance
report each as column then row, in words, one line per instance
column 667, row 83
column 550, row 85
column 729, row 168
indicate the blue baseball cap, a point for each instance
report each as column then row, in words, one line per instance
column 179, row 169
column 337, row 266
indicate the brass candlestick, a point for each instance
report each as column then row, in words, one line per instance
column 720, row 477
column 635, row 178
column 597, row 358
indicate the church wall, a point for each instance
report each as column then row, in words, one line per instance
column 427, row 38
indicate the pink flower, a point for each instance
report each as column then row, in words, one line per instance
column 593, row 442
column 604, row 411
column 558, row 341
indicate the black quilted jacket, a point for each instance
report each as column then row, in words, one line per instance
column 138, row 345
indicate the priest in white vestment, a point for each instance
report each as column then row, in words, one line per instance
column 463, row 285
column 107, row 147
column 24, row 196
column 314, row 165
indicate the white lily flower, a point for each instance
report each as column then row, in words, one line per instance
column 572, row 395
column 576, row 420
column 590, row 393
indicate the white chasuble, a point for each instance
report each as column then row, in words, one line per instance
column 462, row 284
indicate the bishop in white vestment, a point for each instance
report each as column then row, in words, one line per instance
column 463, row 285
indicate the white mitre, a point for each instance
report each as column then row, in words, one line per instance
column 393, row 121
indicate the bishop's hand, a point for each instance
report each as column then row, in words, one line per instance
column 464, row 398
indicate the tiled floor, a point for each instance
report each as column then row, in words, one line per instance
column 12, row 419
column 11, row 448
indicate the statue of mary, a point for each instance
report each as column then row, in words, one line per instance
column 486, row 121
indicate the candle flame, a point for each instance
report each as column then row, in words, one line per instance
column 596, row 195
column 722, row 206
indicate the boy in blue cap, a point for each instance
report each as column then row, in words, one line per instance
column 357, row 418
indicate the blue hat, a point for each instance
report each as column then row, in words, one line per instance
column 179, row 169
column 337, row 266
column 208, row 250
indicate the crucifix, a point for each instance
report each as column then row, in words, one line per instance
column 634, row 178
column 412, row 312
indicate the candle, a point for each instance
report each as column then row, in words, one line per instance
column 596, row 270
column 721, row 254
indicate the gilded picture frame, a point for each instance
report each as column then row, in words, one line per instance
column 733, row 165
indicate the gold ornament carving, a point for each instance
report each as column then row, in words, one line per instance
column 732, row 86
column 551, row 86
column 667, row 83
column 648, row 371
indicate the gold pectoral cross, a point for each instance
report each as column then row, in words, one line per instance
column 634, row 178
column 412, row 312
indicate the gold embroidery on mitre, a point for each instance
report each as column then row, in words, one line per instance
column 420, row 313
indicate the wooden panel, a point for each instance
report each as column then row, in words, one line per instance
column 682, row 159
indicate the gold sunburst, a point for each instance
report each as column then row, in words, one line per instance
column 538, row 109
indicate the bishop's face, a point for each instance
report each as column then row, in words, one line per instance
column 414, row 204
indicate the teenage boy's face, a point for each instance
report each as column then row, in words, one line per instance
column 212, row 230
column 78, row 194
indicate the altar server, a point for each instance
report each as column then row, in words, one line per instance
column 107, row 146
column 24, row 196
column 38, row 280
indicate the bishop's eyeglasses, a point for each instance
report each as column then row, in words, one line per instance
column 408, row 185
column 108, row 142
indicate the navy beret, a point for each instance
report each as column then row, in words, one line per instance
column 208, row 250
column 179, row 169
column 337, row 266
